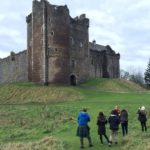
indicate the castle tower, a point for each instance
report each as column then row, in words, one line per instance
column 79, row 49
column 57, row 45
column 48, row 43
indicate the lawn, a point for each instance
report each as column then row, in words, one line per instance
column 53, row 126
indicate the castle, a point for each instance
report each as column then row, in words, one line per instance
column 58, row 50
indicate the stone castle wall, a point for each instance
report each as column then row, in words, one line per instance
column 58, row 50
column 14, row 68
column 104, row 62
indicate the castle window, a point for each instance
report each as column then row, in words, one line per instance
column 42, row 28
column 49, row 20
column 52, row 33
column 73, row 63
column 12, row 56
column 55, row 7
column 81, row 44
column 72, row 41
column 92, row 62
column 56, row 49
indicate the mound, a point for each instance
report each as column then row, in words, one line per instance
column 113, row 85
column 26, row 92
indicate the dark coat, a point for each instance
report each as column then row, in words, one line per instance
column 124, row 116
column 101, row 122
column 142, row 116
column 114, row 122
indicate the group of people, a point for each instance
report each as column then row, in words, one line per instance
column 116, row 117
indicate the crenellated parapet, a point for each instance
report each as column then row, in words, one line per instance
column 29, row 18
column 80, row 20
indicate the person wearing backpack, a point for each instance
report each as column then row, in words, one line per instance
column 124, row 121
column 101, row 122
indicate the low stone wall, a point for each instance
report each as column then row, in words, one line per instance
column 14, row 68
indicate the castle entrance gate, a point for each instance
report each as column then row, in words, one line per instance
column 73, row 80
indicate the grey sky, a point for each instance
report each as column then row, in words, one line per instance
column 122, row 24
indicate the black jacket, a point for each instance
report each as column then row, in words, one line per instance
column 142, row 117
column 114, row 122
column 101, row 121
column 124, row 116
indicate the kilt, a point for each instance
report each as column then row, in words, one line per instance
column 83, row 131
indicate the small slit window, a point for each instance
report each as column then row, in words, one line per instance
column 52, row 33
column 72, row 41
column 92, row 62
column 81, row 44
column 42, row 28
column 73, row 63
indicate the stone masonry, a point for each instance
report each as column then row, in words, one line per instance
column 58, row 50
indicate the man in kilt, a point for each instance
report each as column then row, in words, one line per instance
column 83, row 130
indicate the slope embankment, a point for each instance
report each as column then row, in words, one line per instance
column 27, row 92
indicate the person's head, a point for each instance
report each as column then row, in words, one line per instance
column 114, row 112
column 84, row 109
column 101, row 114
column 116, row 107
column 123, row 110
column 143, row 108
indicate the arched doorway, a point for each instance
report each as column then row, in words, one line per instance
column 73, row 80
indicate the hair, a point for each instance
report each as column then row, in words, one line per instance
column 113, row 112
column 101, row 114
column 84, row 109
column 123, row 110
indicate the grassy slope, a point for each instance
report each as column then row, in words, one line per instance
column 26, row 92
column 30, row 122
column 114, row 85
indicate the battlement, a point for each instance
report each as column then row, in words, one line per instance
column 29, row 18
column 13, row 55
column 80, row 20
column 53, row 7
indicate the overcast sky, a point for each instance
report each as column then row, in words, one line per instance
column 122, row 24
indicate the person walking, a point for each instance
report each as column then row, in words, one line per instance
column 124, row 121
column 83, row 130
column 114, row 122
column 142, row 118
column 101, row 122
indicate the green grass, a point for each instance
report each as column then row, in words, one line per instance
column 27, row 93
column 38, row 125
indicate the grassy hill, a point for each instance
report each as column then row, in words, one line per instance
column 113, row 85
column 27, row 92
column 38, row 117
